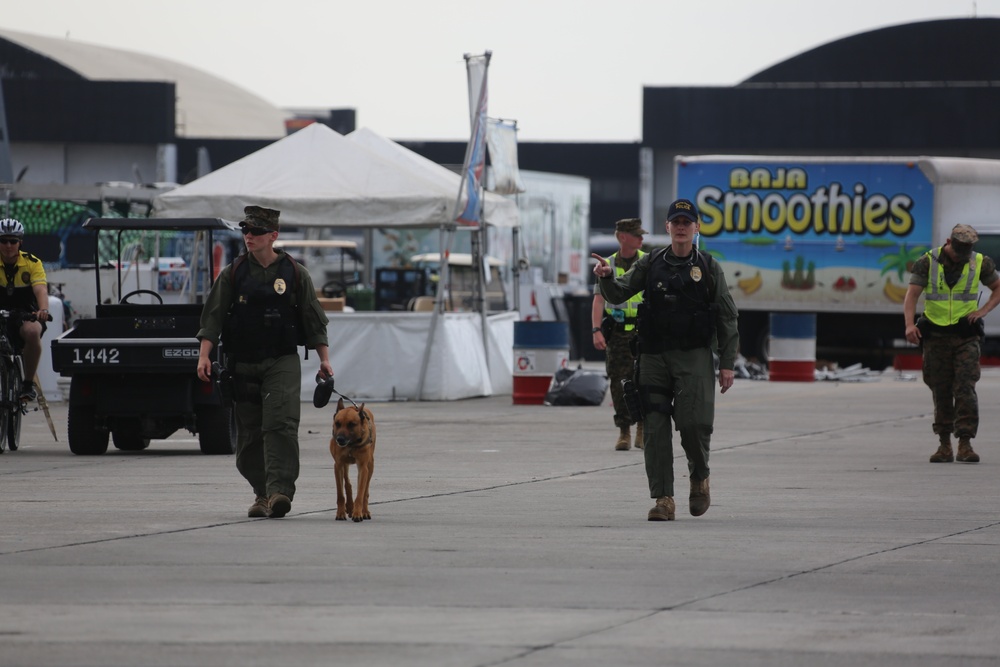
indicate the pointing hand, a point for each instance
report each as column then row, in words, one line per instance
column 602, row 269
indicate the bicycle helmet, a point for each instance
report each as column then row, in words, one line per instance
column 11, row 227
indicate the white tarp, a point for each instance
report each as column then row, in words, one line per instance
column 318, row 178
column 378, row 355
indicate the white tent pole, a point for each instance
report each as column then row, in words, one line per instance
column 517, row 268
column 444, row 243
column 480, row 234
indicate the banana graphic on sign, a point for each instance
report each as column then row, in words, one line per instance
column 895, row 293
column 750, row 285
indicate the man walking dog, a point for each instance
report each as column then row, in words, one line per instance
column 263, row 306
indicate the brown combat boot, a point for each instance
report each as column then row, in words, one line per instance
column 965, row 453
column 700, row 498
column 278, row 504
column 943, row 453
column 638, row 435
column 259, row 509
column 624, row 439
column 663, row 510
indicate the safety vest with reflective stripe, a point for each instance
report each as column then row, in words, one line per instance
column 630, row 307
column 945, row 305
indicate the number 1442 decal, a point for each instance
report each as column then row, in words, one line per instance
column 101, row 355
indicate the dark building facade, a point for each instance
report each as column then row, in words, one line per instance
column 48, row 102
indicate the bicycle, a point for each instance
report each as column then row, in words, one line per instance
column 12, row 408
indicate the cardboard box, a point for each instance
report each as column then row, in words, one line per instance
column 335, row 304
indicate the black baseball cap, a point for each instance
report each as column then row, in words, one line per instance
column 683, row 208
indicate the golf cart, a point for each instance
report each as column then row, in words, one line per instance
column 133, row 366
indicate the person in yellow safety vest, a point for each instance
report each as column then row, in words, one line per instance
column 949, row 332
column 613, row 326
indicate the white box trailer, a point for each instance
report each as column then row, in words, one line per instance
column 836, row 236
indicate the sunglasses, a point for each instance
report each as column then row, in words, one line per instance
column 10, row 241
column 255, row 231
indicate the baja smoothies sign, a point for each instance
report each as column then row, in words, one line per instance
column 812, row 236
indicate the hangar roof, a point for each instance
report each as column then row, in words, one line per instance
column 206, row 107
column 921, row 88
column 954, row 50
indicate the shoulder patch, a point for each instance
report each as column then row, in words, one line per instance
column 28, row 256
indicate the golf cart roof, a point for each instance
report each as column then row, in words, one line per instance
column 454, row 259
column 315, row 243
column 161, row 224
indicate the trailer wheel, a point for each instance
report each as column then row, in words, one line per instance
column 85, row 438
column 216, row 429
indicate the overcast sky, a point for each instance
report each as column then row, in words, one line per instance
column 566, row 70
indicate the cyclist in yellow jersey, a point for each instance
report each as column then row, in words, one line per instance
column 23, row 288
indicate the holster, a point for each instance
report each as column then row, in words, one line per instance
column 633, row 401
column 607, row 326
column 630, row 386
column 224, row 381
column 923, row 325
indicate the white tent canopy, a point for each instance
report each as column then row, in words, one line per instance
column 497, row 210
column 318, row 178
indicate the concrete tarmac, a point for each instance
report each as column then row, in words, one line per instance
column 514, row 535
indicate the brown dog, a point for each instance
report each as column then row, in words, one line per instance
column 353, row 442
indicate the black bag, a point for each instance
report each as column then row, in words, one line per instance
column 576, row 387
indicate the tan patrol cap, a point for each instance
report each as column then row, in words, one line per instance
column 630, row 226
column 258, row 216
column 963, row 237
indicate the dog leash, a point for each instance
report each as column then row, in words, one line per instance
column 324, row 390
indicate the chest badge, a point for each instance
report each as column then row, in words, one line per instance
column 696, row 273
column 279, row 286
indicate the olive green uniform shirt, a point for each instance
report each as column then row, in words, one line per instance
column 617, row 290
column 213, row 315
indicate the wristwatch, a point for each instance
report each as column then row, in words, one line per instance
column 595, row 329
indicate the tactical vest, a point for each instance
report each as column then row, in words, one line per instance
column 943, row 305
column 263, row 320
column 627, row 311
column 677, row 312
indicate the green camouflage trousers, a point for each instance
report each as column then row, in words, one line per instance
column 619, row 366
column 951, row 370
column 267, row 432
